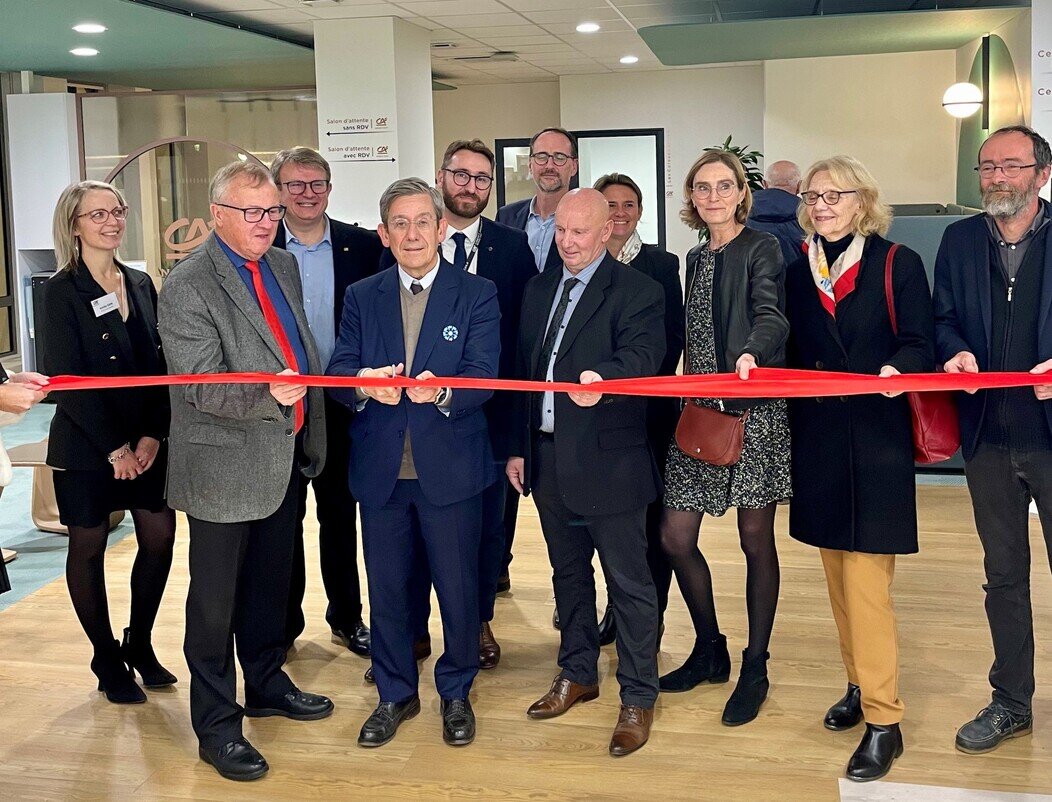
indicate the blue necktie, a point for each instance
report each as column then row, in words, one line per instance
column 460, row 255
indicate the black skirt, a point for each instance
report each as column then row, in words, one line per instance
column 86, row 498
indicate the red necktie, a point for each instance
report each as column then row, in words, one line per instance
column 274, row 322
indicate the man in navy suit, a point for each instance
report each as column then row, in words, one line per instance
column 993, row 312
column 421, row 459
column 331, row 256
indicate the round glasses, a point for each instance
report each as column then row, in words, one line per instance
column 254, row 214
column 319, row 187
column 100, row 216
column 542, row 158
column 830, row 196
column 724, row 189
column 462, row 178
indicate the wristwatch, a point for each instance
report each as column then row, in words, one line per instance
column 443, row 396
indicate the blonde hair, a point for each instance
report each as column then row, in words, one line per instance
column 67, row 245
column 847, row 172
column 688, row 214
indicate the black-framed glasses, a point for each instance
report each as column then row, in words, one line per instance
column 830, row 196
column 542, row 158
column 462, row 178
column 254, row 214
column 1008, row 170
column 100, row 216
column 319, row 187
column 723, row 188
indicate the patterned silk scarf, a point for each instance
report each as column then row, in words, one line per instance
column 834, row 282
column 630, row 250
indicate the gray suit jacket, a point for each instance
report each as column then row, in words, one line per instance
column 231, row 446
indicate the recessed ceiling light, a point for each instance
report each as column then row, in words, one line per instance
column 84, row 51
column 588, row 27
column 89, row 27
column 629, row 59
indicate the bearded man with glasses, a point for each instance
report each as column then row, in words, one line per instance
column 992, row 299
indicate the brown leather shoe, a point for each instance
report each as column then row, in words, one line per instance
column 563, row 695
column 489, row 649
column 632, row 730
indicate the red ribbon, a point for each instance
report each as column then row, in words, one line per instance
column 762, row 383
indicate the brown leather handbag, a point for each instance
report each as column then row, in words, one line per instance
column 710, row 435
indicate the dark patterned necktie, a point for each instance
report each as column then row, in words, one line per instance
column 548, row 346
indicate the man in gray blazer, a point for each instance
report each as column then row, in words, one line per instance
column 238, row 454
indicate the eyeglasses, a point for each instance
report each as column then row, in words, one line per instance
column 401, row 225
column 319, row 187
column 724, row 189
column 1009, row 170
column 100, row 216
column 542, row 158
column 830, row 196
column 462, row 178
column 254, row 214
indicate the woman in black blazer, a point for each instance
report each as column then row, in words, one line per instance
column 100, row 319
column 626, row 209
column 853, row 472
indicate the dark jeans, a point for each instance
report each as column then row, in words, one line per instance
column 1002, row 483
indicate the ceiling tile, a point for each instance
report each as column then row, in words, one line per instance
column 434, row 8
column 570, row 28
column 504, row 31
column 550, row 5
column 480, row 20
column 573, row 15
column 510, row 43
column 364, row 10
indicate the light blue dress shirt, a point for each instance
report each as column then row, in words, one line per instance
column 541, row 234
column 318, row 277
column 548, row 401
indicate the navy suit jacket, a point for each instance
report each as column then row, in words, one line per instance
column 504, row 258
column 962, row 313
column 459, row 336
column 515, row 215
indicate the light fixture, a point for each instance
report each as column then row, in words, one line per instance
column 963, row 100
column 629, row 59
column 84, row 51
column 588, row 27
column 89, row 27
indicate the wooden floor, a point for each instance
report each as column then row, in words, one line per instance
column 60, row 739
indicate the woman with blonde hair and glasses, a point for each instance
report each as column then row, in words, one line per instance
column 853, row 473
column 734, row 322
column 100, row 319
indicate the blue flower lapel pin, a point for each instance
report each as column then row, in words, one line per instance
column 450, row 333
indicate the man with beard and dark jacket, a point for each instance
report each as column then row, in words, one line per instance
column 774, row 208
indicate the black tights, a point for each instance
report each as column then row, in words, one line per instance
column 679, row 538
column 86, row 577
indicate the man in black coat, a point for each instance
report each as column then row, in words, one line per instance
column 331, row 256
column 586, row 459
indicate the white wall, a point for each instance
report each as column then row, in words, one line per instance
column 697, row 108
column 885, row 110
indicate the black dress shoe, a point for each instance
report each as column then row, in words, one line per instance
column 295, row 704
column 875, row 754
column 382, row 725
column 458, row 722
column 846, row 713
column 607, row 626
column 357, row 638
column 504, row 583
column 237, row 760
column 556, row 624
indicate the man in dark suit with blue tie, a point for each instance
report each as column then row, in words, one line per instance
column 421, row 458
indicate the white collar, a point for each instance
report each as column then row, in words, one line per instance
column 426, row 281
column 470, row 232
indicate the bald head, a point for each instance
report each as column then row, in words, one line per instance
column 582, row 227
column 784, row 175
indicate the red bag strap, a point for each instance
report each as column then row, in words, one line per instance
column 888, row 293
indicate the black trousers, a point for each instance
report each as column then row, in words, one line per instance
column 511, row 517
column 622, row 546
column 1002, row 482
column 239, row 582
column 337, row 535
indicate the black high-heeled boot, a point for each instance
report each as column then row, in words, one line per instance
column 875, row 754
column 116, row 680
column 749, row 693
column 709, row 661
column 846, row 713
column 138, row 653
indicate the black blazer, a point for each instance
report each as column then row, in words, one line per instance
column 748, row 303
column 515, row 215
column 603, row 461
column 89, row 424
column 503, row 257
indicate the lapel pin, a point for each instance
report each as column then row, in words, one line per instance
column 450, row 333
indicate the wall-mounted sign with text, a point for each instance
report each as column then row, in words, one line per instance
column 359, row 139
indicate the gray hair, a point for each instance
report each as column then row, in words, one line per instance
column 305, row 157
column 784, row 175
column 251, row 172
column 67, row 247
column 405, row 187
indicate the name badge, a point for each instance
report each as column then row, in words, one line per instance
column 105, row 304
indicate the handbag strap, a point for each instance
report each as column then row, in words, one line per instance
column 888, row 293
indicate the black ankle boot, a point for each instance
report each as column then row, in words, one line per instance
column 749, row 693
column 846, row 713
column 608, row 626
column 137, row 652
column 874, row 756
column 116, row 680
column 708, row 662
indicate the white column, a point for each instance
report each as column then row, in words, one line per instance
column 375, row 121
